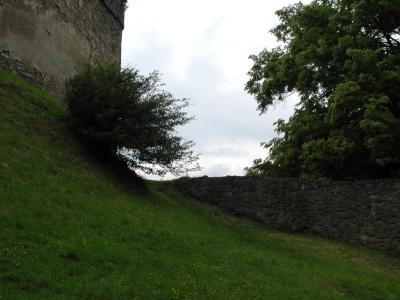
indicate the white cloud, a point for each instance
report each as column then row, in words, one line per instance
column 202, row 49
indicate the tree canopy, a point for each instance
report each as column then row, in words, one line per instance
column 342, row 57
column 130, row 117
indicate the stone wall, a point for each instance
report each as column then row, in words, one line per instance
column 60, row 38
column 360, row 212
column 26, row 71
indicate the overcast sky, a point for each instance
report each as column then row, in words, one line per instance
column 202, row 49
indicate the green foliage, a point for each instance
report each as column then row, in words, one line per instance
column 129, row 116
column 342, row 57
column 69, row 230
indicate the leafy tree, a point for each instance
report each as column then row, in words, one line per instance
column 342, row 57
column 129, row 117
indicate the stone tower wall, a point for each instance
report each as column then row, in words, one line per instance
column 47, row 41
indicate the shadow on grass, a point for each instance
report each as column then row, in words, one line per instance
column 114, row 168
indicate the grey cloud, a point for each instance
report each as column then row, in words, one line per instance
column 156, row 55
column 217, row 170
column 225, row 118
column 225, row 151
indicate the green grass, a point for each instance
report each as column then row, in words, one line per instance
column 69, row 230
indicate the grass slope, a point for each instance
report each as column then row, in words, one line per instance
column 70, row 231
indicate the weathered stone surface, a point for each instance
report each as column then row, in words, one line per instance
column 60, row 38
column 361, row 212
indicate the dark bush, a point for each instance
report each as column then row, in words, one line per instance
column 130, row 117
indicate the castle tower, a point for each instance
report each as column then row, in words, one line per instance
column 47, row 41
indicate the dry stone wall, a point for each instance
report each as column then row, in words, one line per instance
column 24, row 70
column 59, row 38
column 360, row 212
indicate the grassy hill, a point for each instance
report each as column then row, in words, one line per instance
column 70, row 230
